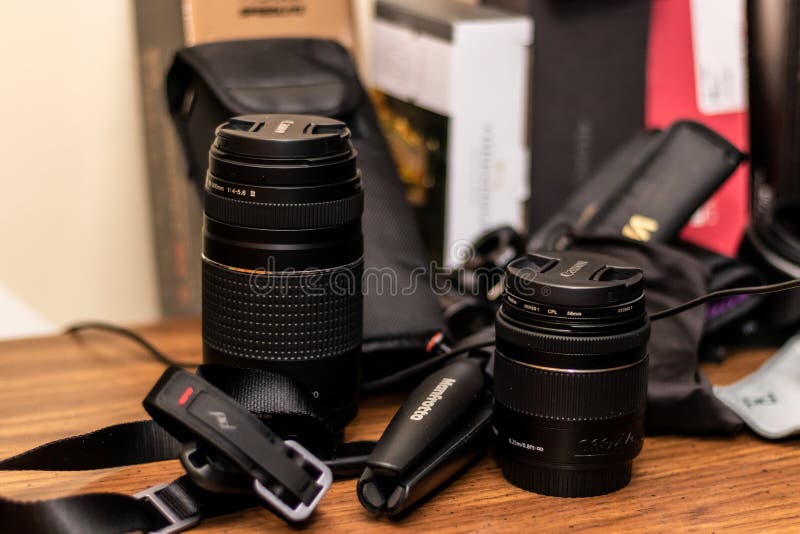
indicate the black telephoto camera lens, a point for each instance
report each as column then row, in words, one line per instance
column 283, row 254
column 570, row 373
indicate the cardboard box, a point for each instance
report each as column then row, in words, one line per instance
column 163, row 27
column 452, row 85
column 222, row 20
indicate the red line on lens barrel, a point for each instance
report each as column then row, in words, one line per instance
column 185, row 396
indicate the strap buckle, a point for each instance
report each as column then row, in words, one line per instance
column 298, row 510
column 175, row 522
column 227, row 449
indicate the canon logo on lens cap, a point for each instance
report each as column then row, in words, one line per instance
column 577, row 266
column 573, row 279
column 283, row 126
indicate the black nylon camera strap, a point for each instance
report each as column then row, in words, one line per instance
column 280, row 400
column 180, row 504
column 170, row 508
column 112, row 446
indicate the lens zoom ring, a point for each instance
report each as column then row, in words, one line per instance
column 278, row 317
column 283, row 216
column 565, row 396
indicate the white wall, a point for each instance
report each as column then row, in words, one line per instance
column 75, row 235
column 364, row 14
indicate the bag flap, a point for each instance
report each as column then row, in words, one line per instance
column 311, row 76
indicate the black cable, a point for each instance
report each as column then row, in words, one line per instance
column 130, row 334
column 752, row 290
column 166, row 360
column 468, row 348
column 408, row 372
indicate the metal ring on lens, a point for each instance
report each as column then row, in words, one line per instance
column 580, row 371
column 228, row 267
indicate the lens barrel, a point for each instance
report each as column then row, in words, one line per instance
column 283, row 254
column 570, row 373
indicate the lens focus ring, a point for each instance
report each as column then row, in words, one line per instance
column 283, row 215
column 282, row 317
column 570, row 396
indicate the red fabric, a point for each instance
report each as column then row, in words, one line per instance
column 671, row 96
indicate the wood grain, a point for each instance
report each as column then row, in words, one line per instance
column 63, row 385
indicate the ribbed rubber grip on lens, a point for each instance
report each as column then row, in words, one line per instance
column 566, row 344
column 298, row 215
column 570, row 396
column 282, row 316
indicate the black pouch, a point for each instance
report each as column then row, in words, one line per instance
column 209, row 83
column 648, row 189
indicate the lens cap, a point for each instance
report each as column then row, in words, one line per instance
column 573, row 279
column 283, row 136
column 282, row 151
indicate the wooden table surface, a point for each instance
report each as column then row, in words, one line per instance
column 64, row 385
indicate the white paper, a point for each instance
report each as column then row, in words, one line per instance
column 20, row 319
column 718, row 39
column 768, row 400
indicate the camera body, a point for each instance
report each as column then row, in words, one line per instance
column 283, row 255
column 570, row 373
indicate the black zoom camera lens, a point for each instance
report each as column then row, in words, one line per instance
column 570, row 373
column 283, row 254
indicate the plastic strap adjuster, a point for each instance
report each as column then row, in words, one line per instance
column 175, row 523
column 300, row 510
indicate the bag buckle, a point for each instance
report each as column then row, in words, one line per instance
column 298, row 510
column 175, row 522
column 229, row 450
